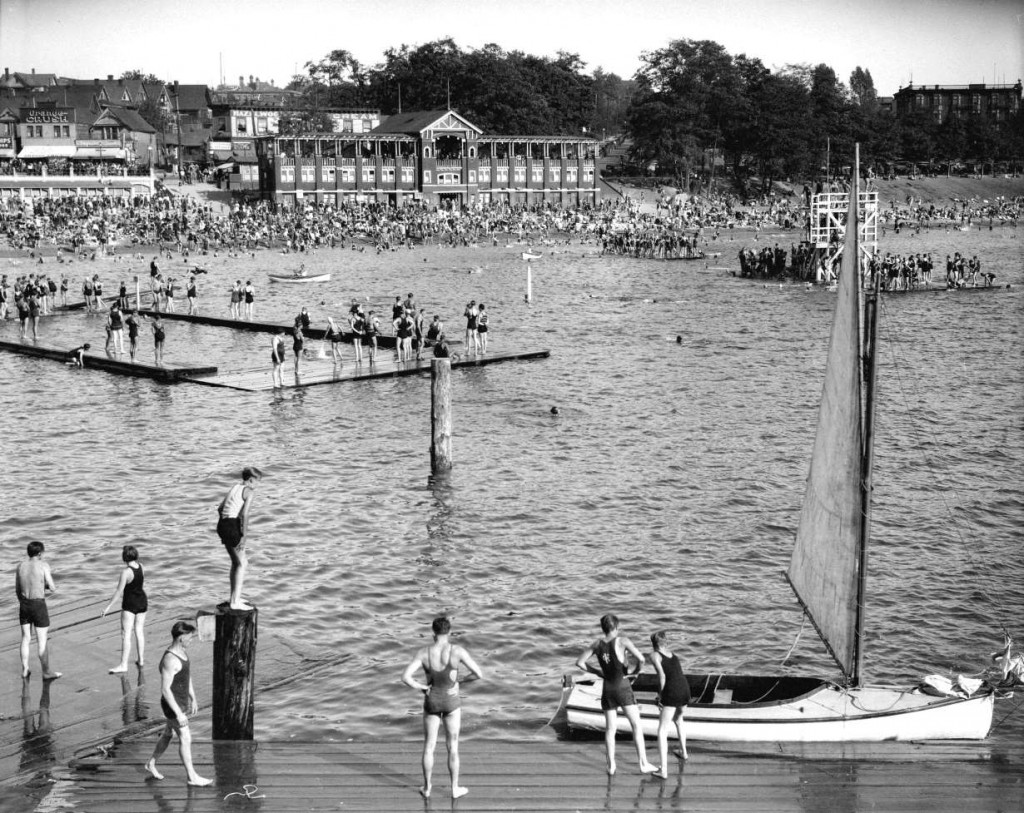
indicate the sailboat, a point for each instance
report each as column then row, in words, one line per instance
column 828, row 573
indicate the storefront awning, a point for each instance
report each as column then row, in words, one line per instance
column 6, row 153
column 221, row 155
column 245, row 157
column 109, row 153
column 225, row 165
column 47, row 151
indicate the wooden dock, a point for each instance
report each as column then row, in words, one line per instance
column 318, row 371
column 79, row 744
column 943, row 290
column 168, row 371
column 540, row 775
column 318, row 333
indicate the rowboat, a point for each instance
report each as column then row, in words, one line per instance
column 296, row 278
column 827, row 573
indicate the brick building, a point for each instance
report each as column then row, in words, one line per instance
column 996, row 103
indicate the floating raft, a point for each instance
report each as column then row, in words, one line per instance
column 963, row 290
column 386, row 342
column 323, row 371
column 120, row 365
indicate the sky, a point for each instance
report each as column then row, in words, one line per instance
column 199, row 41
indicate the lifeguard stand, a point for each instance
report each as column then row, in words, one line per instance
column 828, row 226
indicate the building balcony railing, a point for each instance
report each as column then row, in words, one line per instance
column 449, row 163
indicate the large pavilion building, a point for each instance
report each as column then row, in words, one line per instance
column 436, row 157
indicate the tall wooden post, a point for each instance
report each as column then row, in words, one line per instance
column 138, row 298
column 440, row 415
column 529, row 282
column 234, row 673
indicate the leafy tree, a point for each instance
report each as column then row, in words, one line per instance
column 862, row 89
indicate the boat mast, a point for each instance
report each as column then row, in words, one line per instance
column 870, row 380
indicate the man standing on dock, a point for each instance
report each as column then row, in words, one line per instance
column 32, row 581
column 234, row 513
column 441, row 703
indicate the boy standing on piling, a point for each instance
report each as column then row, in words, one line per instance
column 32, row 581
column 234, row 513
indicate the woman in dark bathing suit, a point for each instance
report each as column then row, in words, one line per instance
column 610, row 651
column 673, row 697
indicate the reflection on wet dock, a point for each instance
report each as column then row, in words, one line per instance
column 547, row 775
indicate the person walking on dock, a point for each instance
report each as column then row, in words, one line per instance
column 372, row 328
column 233, row 512
column 441, row 703
column 32, row 581
column 134, row 605
column 610, row 651
column 177, row 700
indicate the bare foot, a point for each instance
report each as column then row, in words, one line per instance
column 662, row 773
column 51, row 675
column 425, row 792
column 647, row 767
column 151, row 768
column 240, row 606
column 681, row 754
column 611, row 769
column 117, row 670
column 198, row 781
column 459, row 792
column 26, row 674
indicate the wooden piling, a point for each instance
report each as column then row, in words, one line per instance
column 441, row 415
column 529, row 282
column 234, row 673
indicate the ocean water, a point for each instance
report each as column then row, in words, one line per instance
column 666, row 489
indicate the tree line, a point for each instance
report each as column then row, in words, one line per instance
column 691, row 107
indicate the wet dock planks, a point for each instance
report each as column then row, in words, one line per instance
column 118, row 364
column 543, row 775
column 323, row 371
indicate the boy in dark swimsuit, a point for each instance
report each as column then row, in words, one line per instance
column 177, row 700
column 441, row 704
column 610, row 651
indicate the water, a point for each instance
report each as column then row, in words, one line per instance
column 666, row 489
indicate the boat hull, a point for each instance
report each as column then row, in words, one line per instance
column 287, row 278
column 823, row 712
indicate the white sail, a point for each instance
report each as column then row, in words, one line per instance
column 823, row 570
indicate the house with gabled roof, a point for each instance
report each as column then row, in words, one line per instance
column 28, row 81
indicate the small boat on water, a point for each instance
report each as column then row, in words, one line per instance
column 827, row 573
column 529, row 255
column 289, row 278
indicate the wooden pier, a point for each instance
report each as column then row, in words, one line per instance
column 317, row 333
column 541, row 775
column 79, row 744
column 121, row 364
column 313, row 372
